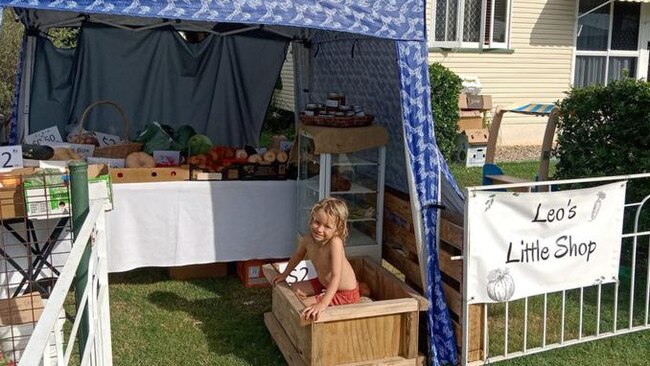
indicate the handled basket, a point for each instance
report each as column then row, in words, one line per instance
column 113, row 151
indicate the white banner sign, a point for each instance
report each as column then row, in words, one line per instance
column 525, row 244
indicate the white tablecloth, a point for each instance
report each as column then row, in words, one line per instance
column 179, row 223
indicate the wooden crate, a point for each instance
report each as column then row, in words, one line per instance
column 144, row 175
column 400, row 251
column 384, row 331
column 195, row 271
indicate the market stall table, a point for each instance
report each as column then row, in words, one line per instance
column 167, row 224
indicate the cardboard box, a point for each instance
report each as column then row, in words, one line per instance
column 482, row 102
column 47, row 195
column 21, row 309
column 195, row 271
column 469, row 123
column 145, row 175
column 250, row 272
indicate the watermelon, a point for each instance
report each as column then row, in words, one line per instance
column 199, row 144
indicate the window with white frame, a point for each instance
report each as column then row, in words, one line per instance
column 470, row 24
column 607, row 44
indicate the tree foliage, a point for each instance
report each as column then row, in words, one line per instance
column 445, row 89
column 10, row 41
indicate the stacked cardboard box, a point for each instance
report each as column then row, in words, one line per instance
column 471, row 142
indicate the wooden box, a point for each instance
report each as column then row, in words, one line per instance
column 12, row 195
column 384, row 331
column 195, row 271
column 399, row 250
column 144, row 175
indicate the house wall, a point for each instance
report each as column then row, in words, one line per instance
column 284, row 98
column 536, row 68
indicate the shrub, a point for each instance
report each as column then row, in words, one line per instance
column 604, row 130
column 445, row 89
column 10, row 40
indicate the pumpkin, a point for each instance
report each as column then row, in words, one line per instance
column 64, row 153
column 500, row 286
column 139, row 159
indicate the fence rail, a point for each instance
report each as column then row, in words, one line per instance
column 95, row 301
column 560, row 319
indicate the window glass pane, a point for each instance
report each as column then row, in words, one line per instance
column 500, row 17
column 625, row 27
column 446, row 15
column 472, row 20
column 594, row 27
column 617, row 65
column 589, row 70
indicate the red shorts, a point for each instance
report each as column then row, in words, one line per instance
column 341, row 297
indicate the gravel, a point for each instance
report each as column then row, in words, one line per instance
column 517, row 153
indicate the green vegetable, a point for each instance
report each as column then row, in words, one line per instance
column 182, row 136
column 159, row 140
column 199, row 144
column 149, row 130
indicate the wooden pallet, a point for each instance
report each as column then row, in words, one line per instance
column 400, row 251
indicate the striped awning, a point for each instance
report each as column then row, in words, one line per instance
column 538, row 109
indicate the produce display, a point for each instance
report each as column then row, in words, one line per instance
column 139, row 159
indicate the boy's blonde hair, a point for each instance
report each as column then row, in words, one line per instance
column 337, row 209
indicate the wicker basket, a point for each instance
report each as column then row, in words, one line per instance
column 112, row 151
column 348, row 121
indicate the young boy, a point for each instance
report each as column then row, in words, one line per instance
column 336, row 283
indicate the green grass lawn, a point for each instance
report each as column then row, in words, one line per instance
column 160, row 321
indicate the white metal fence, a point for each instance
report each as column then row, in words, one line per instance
column 49, row 334
column 553, row 320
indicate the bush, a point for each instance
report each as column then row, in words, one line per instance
column 445, row 89
column 10, row 40
column 604, row 130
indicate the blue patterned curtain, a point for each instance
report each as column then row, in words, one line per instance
column 425, row 161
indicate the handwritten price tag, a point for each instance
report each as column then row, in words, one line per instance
column 106, row 139
column 11, row 156
column 112, row 163
column 166, row 158
column 44, row 137
column 304, row 271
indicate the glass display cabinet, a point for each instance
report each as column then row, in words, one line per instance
column 347, row 163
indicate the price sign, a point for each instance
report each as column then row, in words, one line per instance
column 167, row 158
column 44, row 137
column 84, row 150
column 111, row 163
column 304, row 271
column 11, row 156
column 106, row 139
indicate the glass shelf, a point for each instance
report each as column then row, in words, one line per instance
column 320, row 175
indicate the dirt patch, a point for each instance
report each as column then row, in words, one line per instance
column 517, row 153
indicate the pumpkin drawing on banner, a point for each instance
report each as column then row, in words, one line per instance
column 500, row 285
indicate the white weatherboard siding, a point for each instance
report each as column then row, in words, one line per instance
column 537, row 68
column 284, row 98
